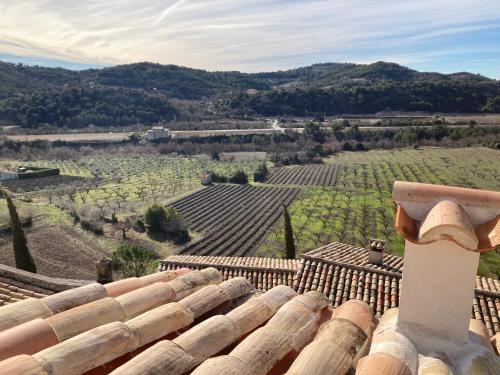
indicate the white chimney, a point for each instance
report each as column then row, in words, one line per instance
column 376, row 251
column 445, row 230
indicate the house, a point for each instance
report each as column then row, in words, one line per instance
column 157, row 133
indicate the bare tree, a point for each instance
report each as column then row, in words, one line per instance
column 125, row 226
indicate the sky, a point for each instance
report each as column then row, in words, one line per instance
column 253, row 35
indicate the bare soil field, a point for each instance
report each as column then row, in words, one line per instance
column 59, row 251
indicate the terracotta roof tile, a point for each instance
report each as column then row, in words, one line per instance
column 10, row 292
column 342, row 272
column 177, row 336
column 356, row 256
column 427, row 213
column 263, row 273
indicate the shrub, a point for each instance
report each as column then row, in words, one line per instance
column 239, row 177
column 93, row 225
column 261, row 173
column 360, row 147
column 155, row 218
column 167, row 222
column 134, row 260
column 347, row 146
column 218, row 178
column 139, row 226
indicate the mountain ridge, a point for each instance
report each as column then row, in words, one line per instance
column 27, row 91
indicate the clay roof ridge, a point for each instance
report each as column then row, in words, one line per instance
column 353, row 266
column 19, row 277
column 334, row 246
column 231, row 266
column 486, row 293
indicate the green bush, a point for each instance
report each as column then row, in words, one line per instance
column 239, row 177
column 155, row 218
column 139, row 226
column 218, row 178
column 134, row 260
column 92, row 225
column 261, row 173
column 167, row 222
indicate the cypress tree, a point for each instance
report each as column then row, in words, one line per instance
column 24, row 261
column 289, row 243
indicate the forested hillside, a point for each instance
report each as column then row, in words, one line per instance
column 80, row 106
column 143, row 92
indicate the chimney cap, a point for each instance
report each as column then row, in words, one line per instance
column 427, row 213
column 377, row 244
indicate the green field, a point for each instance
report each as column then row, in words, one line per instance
column 359, row 207
column 124, row 184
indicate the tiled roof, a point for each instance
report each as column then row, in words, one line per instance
column 341, row 282
column 263, row 273
column 174, row 323
column 356, row 256
column 342, row 272
column 17, row 285
column 487, row 284
column 486, row 305
column 11, row 291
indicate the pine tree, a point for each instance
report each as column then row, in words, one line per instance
column 24, row 261
column 289, row 243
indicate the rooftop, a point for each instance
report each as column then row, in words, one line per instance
column 341, row 314
column 192, row 320
column 263, row 273
column 17, row 285
column 341, row 272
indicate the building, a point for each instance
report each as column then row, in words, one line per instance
column 157, row 133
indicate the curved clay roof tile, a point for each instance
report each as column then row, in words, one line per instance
column 448, row 220
column 427, row 213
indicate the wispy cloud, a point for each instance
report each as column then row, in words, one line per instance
column 252, row 35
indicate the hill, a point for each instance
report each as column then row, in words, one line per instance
column 144, row 92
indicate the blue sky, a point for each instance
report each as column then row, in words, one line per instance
column 253, row 35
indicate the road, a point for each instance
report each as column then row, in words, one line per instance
column 117, row 137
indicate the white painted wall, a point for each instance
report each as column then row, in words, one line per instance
column 437, row 291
